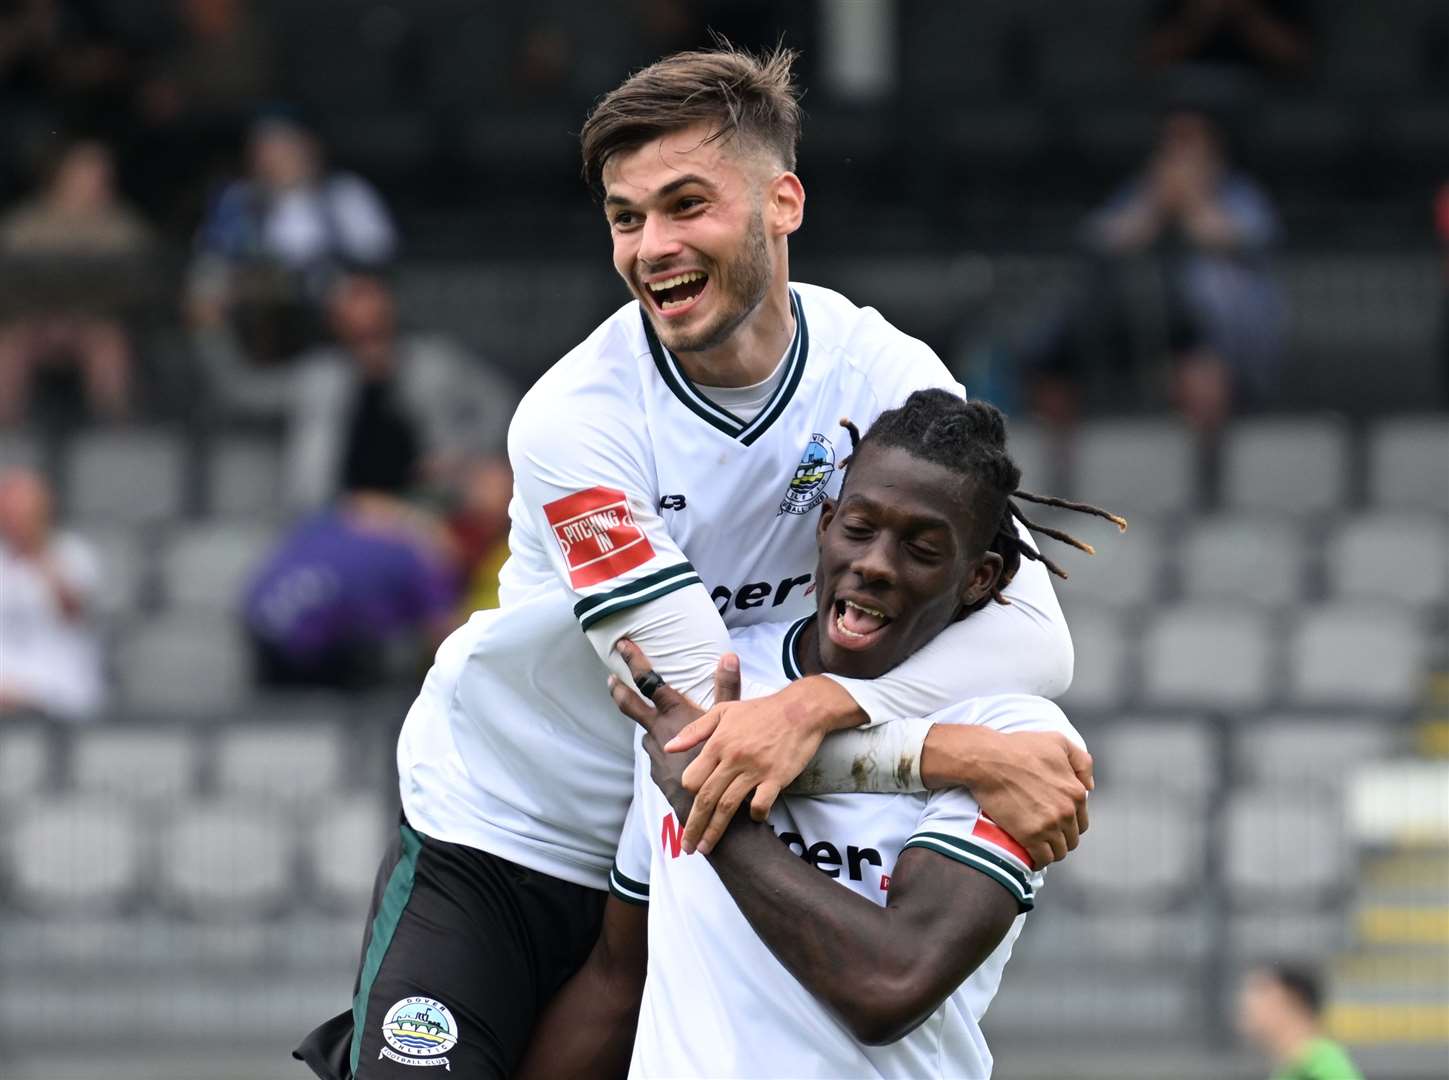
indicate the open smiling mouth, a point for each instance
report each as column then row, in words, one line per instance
column 857, row 626
column 678, row 292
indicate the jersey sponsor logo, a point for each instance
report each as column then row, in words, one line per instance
column 673, row 502
column 754, row 594
column 812, row 475
column 596, row 532
column 994, row 834
column 825, row 856
column 419, row 1031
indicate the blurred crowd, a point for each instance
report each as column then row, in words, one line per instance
column 125, row 141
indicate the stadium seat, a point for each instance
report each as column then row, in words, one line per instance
column 122, row 554
column 1158, row 756
column 226, row 859
column 1145, row 852
column 1066, row 1010
column 1254, row 560
column 1136, row 466
column 135, row 477
column 1305, row 750
column 136, row 764
column 1100, row 678
column 283, row 763
column 187, row 664
column 344, row 845
column 1355, row 656
column 73, row 855
column 1208, row 657
column 1402, row 558
column 1057, row 933
column 1287, row 932
column 244, row 479
column 1407, row 464
column 24, row 760
column 1124, row 573
column 206, row 567
column 1295, row 466
column 1284, row 847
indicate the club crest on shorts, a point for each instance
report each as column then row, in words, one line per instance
column 812, row 475
column 419, row 1031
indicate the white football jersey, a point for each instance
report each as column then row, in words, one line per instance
column 716, row 1001
column 629, row 484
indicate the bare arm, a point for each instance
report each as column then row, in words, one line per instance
column 587, row 1031
column 882, row 970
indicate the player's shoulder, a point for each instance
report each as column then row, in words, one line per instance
column 866, row 341
column 597, row 381
column 1011, row 712
column 761, row 648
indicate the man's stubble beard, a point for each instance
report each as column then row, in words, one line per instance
column 748, row 276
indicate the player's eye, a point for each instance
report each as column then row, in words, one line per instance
column 688, row 203
column 856, row 530
column 924, row 552
column 623, row 219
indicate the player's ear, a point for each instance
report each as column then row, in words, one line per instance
column 827, row 515
column 982, row 578
column 785, row 199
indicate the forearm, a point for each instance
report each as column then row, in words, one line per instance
column 588, row 1029
column 884, row 758
column 682, row 635
column 848, row 952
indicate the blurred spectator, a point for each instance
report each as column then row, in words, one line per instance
column 1211, row 230
column 1279, row 1011
column 76, row 219
column 351, row 595
column 380, row 408
column 479, row 525
column 205, row 83
column 50, row 648
column 66, row 59
column 1267, row 37
column 273, row 242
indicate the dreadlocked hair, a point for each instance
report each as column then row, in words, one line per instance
column 969, row 437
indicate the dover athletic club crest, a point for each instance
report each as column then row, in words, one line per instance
column 419, row 1031
column 812, row 475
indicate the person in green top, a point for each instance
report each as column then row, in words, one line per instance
column 1280, row 1011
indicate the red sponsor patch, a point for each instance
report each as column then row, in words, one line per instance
column 885, row 883
column 992, row 833
column 595, row 531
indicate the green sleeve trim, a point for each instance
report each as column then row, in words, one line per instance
column 591, row 609
column 627, row 889
column 978, row 858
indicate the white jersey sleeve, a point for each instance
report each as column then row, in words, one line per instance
column 951, row 824
column 629, row 877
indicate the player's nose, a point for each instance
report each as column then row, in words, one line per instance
column 658, row 240
column 872, row 563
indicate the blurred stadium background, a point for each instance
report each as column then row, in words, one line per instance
column 1262, row 668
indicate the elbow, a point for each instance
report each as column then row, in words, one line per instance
column 892, row 1008
column 1056, row 660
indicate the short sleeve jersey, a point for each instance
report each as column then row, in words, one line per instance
column 751, row 1017
column 629, row 484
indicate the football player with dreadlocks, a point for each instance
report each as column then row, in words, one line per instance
column 758, row 963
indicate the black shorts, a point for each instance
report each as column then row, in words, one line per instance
column 461, row 953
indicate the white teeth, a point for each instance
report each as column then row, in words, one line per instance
column 868, row 611
column 678, row 279
column 847, row 631
column 665, row 305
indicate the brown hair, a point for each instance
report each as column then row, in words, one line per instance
column 741, row 94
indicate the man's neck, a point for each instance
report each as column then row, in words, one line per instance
column 753, row 350
column 1290, row 1043
column 807, row 649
